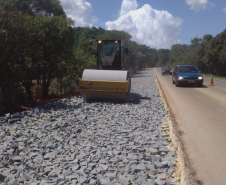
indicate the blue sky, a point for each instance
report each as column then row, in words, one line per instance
column 156, row 23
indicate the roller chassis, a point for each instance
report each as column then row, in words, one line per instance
column 108, row 81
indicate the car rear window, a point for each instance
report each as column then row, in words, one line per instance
column 166, row 67
column 187, row 69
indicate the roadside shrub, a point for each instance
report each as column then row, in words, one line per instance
column 19, row 96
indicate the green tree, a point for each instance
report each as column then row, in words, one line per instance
column 207, row 37
column 195, row 41
column 17, row 44
column 57, row 48
column 163, row 56
column 35, row 44
column 47, row 8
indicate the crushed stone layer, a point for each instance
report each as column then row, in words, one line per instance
column 76, row 142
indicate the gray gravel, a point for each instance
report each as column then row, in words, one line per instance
column 91, row 143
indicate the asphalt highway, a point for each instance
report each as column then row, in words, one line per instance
column 201, row 119
column 218, row 84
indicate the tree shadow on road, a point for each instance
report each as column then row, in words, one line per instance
column 133, row 98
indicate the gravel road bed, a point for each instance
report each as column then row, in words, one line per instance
column 91, row 143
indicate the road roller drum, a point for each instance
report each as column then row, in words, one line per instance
column 105, row 84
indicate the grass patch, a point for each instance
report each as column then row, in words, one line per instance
column 214, row 76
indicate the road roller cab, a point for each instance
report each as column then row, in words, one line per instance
column 109, row 81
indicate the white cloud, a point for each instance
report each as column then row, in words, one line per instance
column 224, row 10
column 127, row 6
column 198, row 5
column 80, row 11
column 154, row 28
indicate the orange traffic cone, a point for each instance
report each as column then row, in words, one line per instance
column 211, row 81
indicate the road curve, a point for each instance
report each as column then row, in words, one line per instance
column 201, row 118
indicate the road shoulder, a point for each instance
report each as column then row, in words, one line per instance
column 185, row 171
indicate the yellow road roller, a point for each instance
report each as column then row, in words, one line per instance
column 108, row 81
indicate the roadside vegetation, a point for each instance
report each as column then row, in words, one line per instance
column 40, row 45
column 214, row 76
column 207, row 53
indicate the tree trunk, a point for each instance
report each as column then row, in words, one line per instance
column 28, row 90
column 45, row 90
column 6, row 95
column 27, row 83
column 61, row 86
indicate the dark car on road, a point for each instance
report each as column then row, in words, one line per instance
column 166, row 70
column 187, row 74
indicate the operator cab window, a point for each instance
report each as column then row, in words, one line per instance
column 109, row 52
